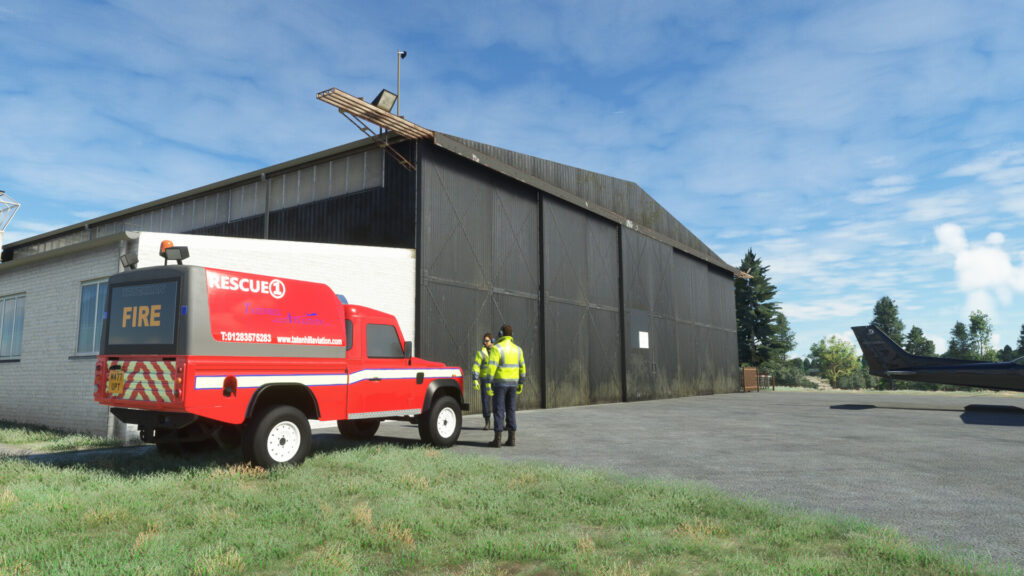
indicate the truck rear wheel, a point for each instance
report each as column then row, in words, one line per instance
column 358, row 429
column 444, row 423
column 278, row 435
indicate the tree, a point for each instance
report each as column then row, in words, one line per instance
column 980, row 336
column 834, row 357
column 762, row 330
column 1020, row 342
column 917, row 344
column 959, row 343
column 887, row 317
column 1007, row 354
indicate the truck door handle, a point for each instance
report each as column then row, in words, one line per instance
column 419, row 378
column 374, row 379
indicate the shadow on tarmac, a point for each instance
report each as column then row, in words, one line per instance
column 980, row 414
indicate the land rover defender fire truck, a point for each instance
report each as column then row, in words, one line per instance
column 195, row 355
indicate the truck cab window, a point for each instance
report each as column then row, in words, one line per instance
column 382, row 342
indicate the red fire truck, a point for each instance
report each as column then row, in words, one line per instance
column 193, row 355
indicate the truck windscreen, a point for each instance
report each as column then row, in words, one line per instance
column 143, row 314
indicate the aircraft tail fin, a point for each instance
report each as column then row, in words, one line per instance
column 880, row 352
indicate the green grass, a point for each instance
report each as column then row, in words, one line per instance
column 394, row 509
column 43, row 440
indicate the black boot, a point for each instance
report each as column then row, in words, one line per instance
column 511, row 438
column 487, row 423
column 497, row 440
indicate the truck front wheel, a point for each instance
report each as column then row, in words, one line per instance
column 278, row 435
column 444, row 423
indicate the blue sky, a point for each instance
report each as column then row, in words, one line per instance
column 861, row 149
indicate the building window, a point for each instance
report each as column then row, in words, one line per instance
column 90, row 317
column 12, row 319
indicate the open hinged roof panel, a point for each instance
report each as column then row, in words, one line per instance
column 359, row 112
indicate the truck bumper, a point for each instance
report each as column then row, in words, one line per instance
column 153, row 420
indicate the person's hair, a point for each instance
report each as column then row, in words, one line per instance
column 506, row 330
column 489, row 337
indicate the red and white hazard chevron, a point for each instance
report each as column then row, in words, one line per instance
column 147, row 380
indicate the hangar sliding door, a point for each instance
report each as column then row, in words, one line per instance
column 479, row 266
column 582, row 332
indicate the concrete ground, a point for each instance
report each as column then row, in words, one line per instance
column 943, row 469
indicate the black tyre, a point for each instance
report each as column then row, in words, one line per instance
column 358, row 429
column 444, row 423
column 277, row 435
column 424, row 428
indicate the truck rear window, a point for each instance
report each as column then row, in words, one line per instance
column 143, row 314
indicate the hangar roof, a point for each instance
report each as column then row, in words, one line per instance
column 617, row 200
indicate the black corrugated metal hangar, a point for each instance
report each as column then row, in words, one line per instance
column 610, row 297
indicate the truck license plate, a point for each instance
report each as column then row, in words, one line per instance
column 115, row 382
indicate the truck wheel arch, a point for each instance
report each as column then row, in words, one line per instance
column 284, row 393
column 442, row 387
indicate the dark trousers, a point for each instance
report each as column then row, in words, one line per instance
column 485, row 402
column 504, row 407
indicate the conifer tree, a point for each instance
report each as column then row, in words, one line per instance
column 762, row 330
column 887, row 317
column 918, row 344
column 959, row 343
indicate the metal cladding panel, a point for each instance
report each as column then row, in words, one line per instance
column 581, row 315
column 723, row 300
column 523, row 314
column 647, row 274
column 581, row 257
column 515, row 257
column 705, row 358
column 726, row 363
column 636, row 274
column 566, row 259
column 479, row 259
column 605, row 356
column 568, row 347
column 583, row 356
column 685, row 271
column 700, row 291
column 688, row 343
column 664, row 357
column 251, row 227
column 726, row 356
column 603, row 264
column 650, row 301
column 375, row 217
column 456, row 220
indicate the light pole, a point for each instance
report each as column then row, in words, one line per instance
column 398, row 94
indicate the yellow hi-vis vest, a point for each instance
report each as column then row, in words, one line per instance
column 480, row 361
column 507, row 367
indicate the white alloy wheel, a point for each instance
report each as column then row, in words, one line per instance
column 446, row 422
column 283, row 441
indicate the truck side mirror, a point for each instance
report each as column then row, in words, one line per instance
column 408, row 348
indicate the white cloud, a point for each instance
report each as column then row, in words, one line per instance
column 985, row 272
column 938, row 207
